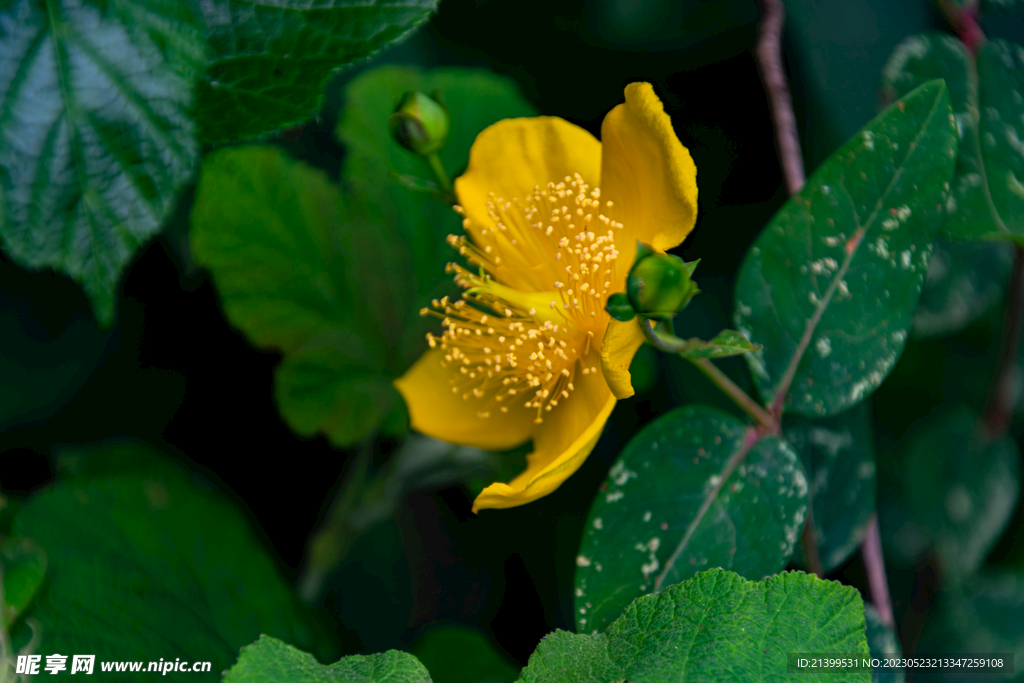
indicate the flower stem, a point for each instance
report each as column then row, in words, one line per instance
column 769, row 59
column 443, row 181
column 874, row 567
column 717, row 377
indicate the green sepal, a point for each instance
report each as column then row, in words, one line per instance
column 618, row 307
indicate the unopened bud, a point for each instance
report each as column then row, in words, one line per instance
column 659, row 285
column 420, row 122
column 618, row 307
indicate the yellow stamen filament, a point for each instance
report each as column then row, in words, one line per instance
column 518, row 331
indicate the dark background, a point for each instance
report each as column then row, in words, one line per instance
column 172, row 372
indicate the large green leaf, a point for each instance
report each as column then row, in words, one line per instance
column 270, row 229
column 144, row 564
column 964, row 281
column 336, row 278
column 962, row 488
column 830, row 286
column 269, row 660
column 96, row 135
column 24, row 566
column 839, row 456
column 692, row 490
column 715, row 626
column 268, row 61
column 987, row 198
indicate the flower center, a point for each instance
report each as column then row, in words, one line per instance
column 530, row 317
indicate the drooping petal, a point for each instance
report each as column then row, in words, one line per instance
column 512, row 156
column 561, row 444
column 647, row 173
column 436, row 411
column 621, row 341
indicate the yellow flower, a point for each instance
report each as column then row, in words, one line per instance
column 529, row 352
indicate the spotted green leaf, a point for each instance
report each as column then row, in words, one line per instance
column 335, row 275
column 145, row 559
column 884, row 644
column 987, row 95
column 964, row 281
column 716, row 626
column 830, row 286
column 962, row 489
column 96, row 134
column 839, row 457
column 268, row 62
column 692, row 490
column 270, row 660
column 24, row 567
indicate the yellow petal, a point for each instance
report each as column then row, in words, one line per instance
column 561, row 443
column 513, row 156
column 436, row 411
column 647, row 173
column 621, row 340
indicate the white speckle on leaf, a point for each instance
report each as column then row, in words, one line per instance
column 824, row 346
column 579, row 592
column 620, row 474
column 647, row 516
column 869, row 139
column 582, row 561
column 598, row 523
column 890, row 224
column 614, row 496
column 825, row 189
column 1014, row 185
column 881, row 248
column 743, row 309
column 905, row 259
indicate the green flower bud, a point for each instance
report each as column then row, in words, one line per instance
column 659, row 285
column 420, row 122
column 618, row 307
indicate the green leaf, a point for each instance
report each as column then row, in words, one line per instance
column 962, row 489
column 692, row 490
column 830, row 285
column 96, row 136
column 726, row 343
column 143, row 564
column 24, row 566
column 714, row 627
column 883, row 643
column 336, row 278
column 268, row 62
column 270, row 229
column 457, row 654
column 269, row 660
column 987, row 198
column 964, row 281
column 839, row 457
